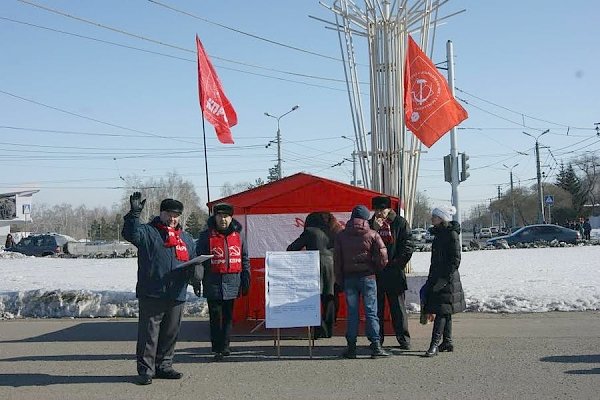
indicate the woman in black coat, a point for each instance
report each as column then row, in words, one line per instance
column 318, row 235
column 443, row 291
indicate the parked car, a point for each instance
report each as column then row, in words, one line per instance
column 534, row 233
column 484, row 233
column 42, row 245
column 429, row 236
column 495, row 230
column 418, row 234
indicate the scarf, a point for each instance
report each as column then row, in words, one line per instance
column 385, row 231
column 174, row 240
column 227, row 252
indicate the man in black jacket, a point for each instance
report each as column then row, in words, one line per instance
column 161, row 286
column 391, row 282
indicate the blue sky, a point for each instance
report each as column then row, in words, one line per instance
column 520, row 65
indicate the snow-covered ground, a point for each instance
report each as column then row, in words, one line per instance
column 515, row 280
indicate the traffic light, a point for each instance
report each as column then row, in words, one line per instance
column 448, row 168
column 464, row 173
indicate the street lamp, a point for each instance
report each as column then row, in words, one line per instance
column 539, row 175
column 353, row 159
column 278, row 139
column 512, row 194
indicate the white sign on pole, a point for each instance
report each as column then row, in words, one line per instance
column 549, row 200
column 292, row 289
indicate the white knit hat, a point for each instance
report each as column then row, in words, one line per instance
column 444, row 212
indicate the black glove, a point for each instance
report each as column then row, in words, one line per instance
column 137, row 204
column 198, row 290
column 245, row 283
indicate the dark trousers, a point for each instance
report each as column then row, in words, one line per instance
column 221, row 317
column 396, row 300
column 158, row 327
column 328, row 313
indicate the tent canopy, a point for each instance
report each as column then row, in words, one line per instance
column 300, row 193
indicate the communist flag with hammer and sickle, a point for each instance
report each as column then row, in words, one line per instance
column 430, row 110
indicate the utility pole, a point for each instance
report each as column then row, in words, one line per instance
column 499, row 212
column 512, row 194
column 539, row 176
column 278, row 139
column 453, row 142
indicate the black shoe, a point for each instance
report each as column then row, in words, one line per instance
column 377, row 351
column 350, row 352
column 446, row 346
column 432, row 351
column 219, row 357
column 168, row 374
column 226, row 352
column 143, row 380
column 404, row 346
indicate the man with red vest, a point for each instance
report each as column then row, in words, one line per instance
column 226, row 274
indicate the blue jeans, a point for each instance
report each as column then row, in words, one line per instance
column 367, row 287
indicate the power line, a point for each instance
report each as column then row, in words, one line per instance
column 89, row 118
column 521, row 113
column 161, row 43
column 245, row 33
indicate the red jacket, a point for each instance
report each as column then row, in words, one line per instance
column 359, row 251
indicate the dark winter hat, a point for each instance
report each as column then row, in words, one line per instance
column 381, row 202
column 171, row 205
column 361, row 212
column 223, row 208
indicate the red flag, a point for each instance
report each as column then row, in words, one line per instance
column 215, row 105
column 430, row 110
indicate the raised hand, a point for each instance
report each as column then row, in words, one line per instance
column 136, row 203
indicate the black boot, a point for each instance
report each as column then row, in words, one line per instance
column 436, row 336
column 433, row 346
column 350, row 351
column 377, row 351
column 447, row 344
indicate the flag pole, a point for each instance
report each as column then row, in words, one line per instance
column 203, row 130
column 205, row 160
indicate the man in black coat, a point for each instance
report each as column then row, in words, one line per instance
column 391, row 282
column 161, row 285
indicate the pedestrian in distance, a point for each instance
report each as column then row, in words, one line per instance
column 443, row 290
column 391, row 281
column 161, row 286
column 10, row 242
column 587, row 229
column 317, row 235
column 226, row 274
column 359, row 254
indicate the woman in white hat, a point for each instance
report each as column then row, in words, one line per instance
column 443, row 291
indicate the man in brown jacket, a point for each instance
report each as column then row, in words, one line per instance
column 359, row 254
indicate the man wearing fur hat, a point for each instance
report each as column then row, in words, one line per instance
column 226, row 274
column 161, row 286
column 391, row 282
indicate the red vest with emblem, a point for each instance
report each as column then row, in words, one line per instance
column 226, row 251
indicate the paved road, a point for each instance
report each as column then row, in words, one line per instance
column 527, row 356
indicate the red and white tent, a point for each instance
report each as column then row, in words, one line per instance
column 273, row 216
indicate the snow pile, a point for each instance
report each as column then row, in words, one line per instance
column 513, row 281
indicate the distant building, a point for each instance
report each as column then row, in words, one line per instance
column 15, row 209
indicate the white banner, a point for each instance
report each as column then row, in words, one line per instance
column 274, row 232
column 292, row 292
